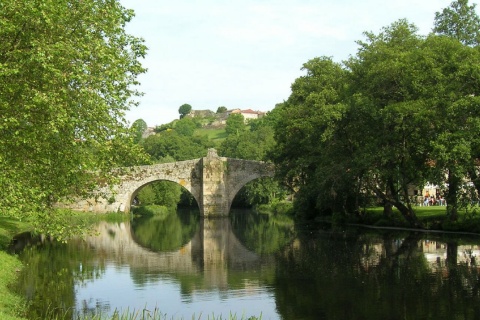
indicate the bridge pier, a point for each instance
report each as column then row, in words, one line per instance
column 214, row 196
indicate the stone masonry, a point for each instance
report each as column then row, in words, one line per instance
column 212, row 180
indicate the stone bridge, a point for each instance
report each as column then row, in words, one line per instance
column 212, row 180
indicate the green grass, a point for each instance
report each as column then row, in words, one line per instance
column 157, row 315
column 10, row 227
column 215, row 135
column 152, row 210
column 421, row 212
column 11, row 305
column 432, row 218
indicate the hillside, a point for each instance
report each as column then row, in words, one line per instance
column 205, row 123
column 216, row 135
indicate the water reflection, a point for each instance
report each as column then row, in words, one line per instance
column 252, row 265
column 147, row 246
column 164, row 232
column 358, row 275
column 213, row 266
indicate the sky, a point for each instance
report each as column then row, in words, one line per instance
column 246, row 53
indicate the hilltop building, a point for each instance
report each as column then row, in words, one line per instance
column 220, row 119
column 247, row 114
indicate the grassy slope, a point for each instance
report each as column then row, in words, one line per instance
column 215, row 135
column 11, row 305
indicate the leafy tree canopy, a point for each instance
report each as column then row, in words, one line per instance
column 401, row 112
column 175, row 146
column 138, row 128
column 67, row 76
column 235, row 123
column 184, row 110
column 459, row 21
column 165, row 193
column 221, row 109
column 185, row 127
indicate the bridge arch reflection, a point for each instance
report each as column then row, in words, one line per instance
column 211, row 253
column 165, row 232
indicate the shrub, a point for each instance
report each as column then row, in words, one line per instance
column 151, row 210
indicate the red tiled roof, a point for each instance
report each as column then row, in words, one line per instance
column 251, row 111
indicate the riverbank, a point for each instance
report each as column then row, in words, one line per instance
column 433, row 218
column 12, row 306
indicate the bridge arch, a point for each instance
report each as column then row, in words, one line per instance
column 185, row 173
column 152, row 181
column 251, row 169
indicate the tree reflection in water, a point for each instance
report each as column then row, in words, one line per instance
column 165, row 232
column 314, row 273
column 358, row 275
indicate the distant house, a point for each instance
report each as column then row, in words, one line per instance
column 247, row 114
column 220, row 119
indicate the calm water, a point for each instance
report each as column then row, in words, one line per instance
column 251, row 265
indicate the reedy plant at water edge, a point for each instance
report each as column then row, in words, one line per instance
column 155, row 314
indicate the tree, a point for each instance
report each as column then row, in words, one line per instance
column 249, row 144
column 402, row 112
column 175, row 146
column 455, row 95
column 254, row 144
column 305, row 134
column 235, row 123
column 67, row 76
column 184, row 110
column 221, row 109
column 388, row 114
column 185, row 127
column 164, row 193
column 459, row 21
column 457, row 146
column 138, row 128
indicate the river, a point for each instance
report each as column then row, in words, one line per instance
column 182, row 267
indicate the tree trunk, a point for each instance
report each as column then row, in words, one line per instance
column 387, row 209
column 452, row 195
column 388, row 205
column 406, row 212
